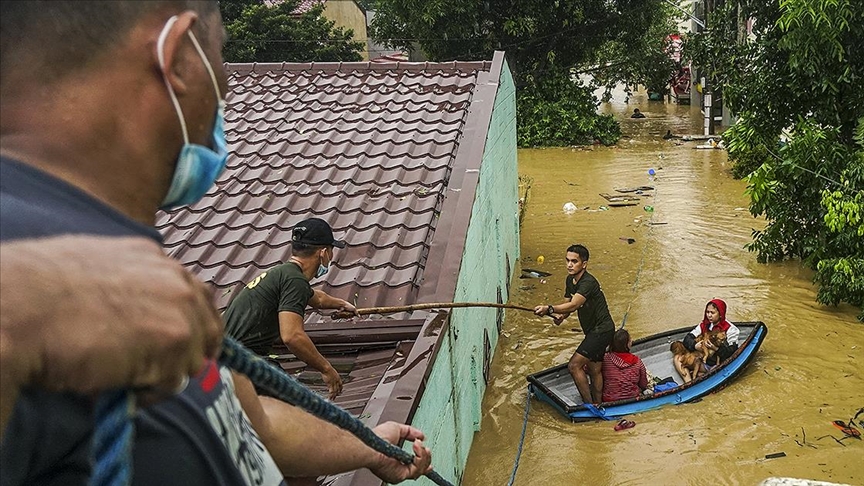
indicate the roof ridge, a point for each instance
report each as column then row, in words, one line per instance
column 341, row 67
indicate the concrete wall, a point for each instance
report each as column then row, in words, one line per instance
column 348, row 15
column 449, row 411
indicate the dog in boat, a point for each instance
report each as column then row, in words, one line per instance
column 687, row 363
column 711, row 342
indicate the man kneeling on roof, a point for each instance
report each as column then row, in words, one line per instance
column 272, row 305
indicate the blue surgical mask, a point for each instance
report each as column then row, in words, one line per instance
column 198, row 166
column 322, row 269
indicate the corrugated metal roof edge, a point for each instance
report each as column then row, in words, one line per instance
column 448, row 244
column 403, row 396
column 364, row 66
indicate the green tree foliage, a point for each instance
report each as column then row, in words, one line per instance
column 258, row 32
column 797, row 87
column 547, row 42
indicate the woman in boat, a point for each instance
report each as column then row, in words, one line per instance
column 714, row 318
column 624, row 374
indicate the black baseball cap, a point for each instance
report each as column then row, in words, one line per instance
column 315, row 232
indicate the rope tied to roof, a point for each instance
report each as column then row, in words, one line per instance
column 114, row 413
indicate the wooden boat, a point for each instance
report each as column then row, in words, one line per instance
column 555, row 385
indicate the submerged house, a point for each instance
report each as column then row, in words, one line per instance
column 414, row 165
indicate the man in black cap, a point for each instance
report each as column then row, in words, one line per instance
column 272, row 305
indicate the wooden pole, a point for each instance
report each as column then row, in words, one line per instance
column 431, row 305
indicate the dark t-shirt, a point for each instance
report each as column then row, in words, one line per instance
column 200, row 437
column 253, row 316
column 594, row 314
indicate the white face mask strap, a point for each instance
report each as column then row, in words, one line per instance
column 160, row 46
column 207, row 65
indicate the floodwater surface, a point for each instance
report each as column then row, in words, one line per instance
column 807, row 372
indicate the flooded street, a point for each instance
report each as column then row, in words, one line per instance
column 807, row 373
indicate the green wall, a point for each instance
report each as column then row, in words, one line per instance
column 449, row 411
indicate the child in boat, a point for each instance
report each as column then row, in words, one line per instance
column 624, row 374
column 714, row 318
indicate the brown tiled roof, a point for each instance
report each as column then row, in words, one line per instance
column 389, row 154
column 367, row 147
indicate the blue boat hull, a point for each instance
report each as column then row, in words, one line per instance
column 554, row 386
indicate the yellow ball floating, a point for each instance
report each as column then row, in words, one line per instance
column 541, row 259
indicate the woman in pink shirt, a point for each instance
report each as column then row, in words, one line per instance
column 624, row 374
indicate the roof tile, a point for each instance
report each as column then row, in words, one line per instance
column 367, row 147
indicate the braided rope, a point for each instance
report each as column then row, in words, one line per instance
column 522, row 439
column 641, row 260
column 288, row 389
column 113, row 436
column 112, row 439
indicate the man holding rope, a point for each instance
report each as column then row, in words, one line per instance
column 273, row 304
column 110, row 110
column 586, row 298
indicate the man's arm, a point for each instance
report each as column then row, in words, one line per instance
column 561, row 311
column 295, row 338
column 82, row 314
column 323, row 300
column 303, row 445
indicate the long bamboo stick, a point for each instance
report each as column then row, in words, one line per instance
column 431, row 305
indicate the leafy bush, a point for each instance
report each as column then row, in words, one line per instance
column 799, row 140
column 562, row 113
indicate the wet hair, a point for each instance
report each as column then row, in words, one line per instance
column 579, row 250
column 620, row 341
column 303, row 250
column 50, row 39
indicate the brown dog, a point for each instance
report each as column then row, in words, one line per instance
column 687, row 363
column 711, row 342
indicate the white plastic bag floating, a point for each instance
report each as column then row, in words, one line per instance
column 569, row 208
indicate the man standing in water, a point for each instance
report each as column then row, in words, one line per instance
column 586, row 298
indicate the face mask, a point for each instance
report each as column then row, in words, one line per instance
column 197, row 167
column 322, row 270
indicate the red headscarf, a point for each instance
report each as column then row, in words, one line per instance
column 723, row 325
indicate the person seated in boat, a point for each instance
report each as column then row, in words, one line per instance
column 586, row 298
column 714, row 318
column 624, row 374
column 637, row 113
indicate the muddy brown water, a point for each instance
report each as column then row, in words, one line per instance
column 807, row 373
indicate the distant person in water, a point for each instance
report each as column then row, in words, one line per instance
column 669, row 135
column 586, row 298
column 637, row 113
column 624, row 374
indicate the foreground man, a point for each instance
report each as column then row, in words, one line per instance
column 108, row 111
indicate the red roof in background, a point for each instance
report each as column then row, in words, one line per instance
column 307, row 5
column 367, row 147
column 302, row 7
column 394, row 57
